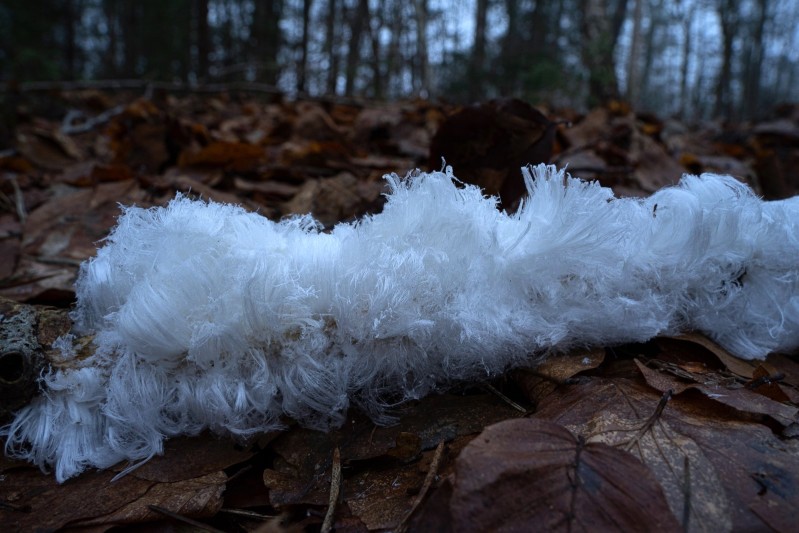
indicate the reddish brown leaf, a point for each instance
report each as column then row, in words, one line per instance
column 237, row 156
column 740, row 398
column 523, row 472
column 716, row 471
column 92, row 500
column 541, row 379
column 733, row 364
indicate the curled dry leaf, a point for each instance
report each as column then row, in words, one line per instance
column 740, row 398
column 719, row 473
column 526, row 473
column 733, row 364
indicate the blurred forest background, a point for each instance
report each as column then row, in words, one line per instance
column 692, row 59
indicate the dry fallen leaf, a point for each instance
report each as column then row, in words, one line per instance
column 719, row 473
column 528, row 473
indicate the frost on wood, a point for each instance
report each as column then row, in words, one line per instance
column 207, row 316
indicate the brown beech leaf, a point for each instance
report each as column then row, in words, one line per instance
column 734, row 364
column 39, row 503
column 741, row 398
column 61, row 233
column 300, row 473
column 718, row 473
column 528, row 473
column 190, row 458
column 541, row 379
column 47, row 149
column 237, row 156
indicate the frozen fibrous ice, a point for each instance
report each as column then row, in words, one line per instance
column 207, row 316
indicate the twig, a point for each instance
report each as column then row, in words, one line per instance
column 248, row 514
column 19, row 201
column 184, row 519
column 432, row 472
column 69, row 128
column 335, row 490
column 650, row 422
column 505, row 399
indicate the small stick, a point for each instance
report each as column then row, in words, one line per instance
column 428, row 482
column 505, row 399
column 335, row 490
column 184, row 519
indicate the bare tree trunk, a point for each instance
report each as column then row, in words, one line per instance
column 728, row 15
column 650, row 47
column 330, row 47
column 266, row 38
column 359, row 18
column 130, row 36
column 633, row 79
column 111, row 13
column 477, row 63
column 394, row 60
column 600, row 28
column 374, row 41
column 203, row 38
column 302, row 67
column 686, row 58
column 420, row 10
column 754, row 63
column 509, row 60
column 71, row 17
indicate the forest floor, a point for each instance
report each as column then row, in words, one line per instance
column 675, row 434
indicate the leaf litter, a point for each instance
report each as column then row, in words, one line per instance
column 674, row 434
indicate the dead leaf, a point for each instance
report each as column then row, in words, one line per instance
column 541, row 379
column 733, row 364
column 60, row 234
column 718, row 473
column 488, row 144
column 526, row 471
column 741, row 398
column 92, row 500
column 236, row 156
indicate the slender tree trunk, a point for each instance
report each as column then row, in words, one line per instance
column 727, row 10
column 633, row 79
column 360, row 17
column 394, row 62
column 686, row 58
column 650, row 47
column 420, row 10
column 509, row 58
column 111, row 14
column 478, row 58
column 600, row 28
column 302, row 67
column 71, row 15
column 753, row 70
column 330, row 47
column 266, row 39
column 203, row 39
column 130, row 37
column 374, row 41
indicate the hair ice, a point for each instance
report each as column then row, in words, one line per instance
column 207, row 316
